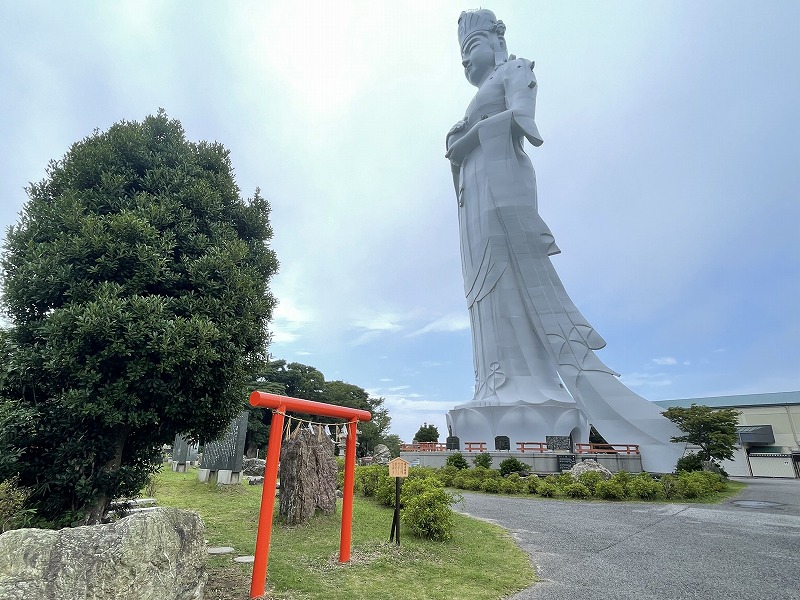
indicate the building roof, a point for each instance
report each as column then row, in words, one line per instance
column 745, row 400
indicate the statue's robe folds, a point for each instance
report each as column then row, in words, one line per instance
column 528, row 336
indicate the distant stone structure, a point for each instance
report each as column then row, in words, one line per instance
column 184, row 453
column 222, row 458
column 536, row 371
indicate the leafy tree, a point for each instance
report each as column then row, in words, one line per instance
column 393, row 442
column 458, row 461
column 713, row 430
column 298, row 380
column 483, row 459
column 427, row 433
column 304, row 381
column 258, row 423
column 136, row 286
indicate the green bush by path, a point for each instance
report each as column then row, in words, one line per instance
column 511, row 465
column 484, row 459
column 590, row 479
column 697, row 486
column 577, row 490
column 458, row 461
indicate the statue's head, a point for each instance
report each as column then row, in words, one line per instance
column 483, row 45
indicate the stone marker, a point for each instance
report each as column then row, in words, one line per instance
column 222, row 458
column 183, row 454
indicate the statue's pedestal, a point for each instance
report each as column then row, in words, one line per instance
column 520, row 422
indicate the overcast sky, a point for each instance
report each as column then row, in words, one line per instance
column 669, row 174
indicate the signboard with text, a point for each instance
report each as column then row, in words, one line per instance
column 398, row 468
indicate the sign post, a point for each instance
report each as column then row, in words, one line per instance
column 398, row 468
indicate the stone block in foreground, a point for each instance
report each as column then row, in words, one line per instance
column 158, row 555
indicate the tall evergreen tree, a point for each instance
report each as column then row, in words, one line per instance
column 136, row 285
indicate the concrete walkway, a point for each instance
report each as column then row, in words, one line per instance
column 741, row 549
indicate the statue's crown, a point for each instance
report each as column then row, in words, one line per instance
column 471, row 21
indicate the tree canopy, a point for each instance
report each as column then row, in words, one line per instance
column 303, row 381
column 713, row 430
column 136, row 285
column 427, row 433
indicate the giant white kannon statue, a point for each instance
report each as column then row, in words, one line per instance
column 536, row 371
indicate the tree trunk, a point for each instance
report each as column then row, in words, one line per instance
column 98, row 511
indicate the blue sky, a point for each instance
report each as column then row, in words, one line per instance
column 669, row 174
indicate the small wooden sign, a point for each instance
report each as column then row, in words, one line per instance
column 398, row 468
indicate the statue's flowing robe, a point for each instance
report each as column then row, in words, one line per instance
column 530, row 341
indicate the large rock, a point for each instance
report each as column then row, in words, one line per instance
column 589, row 465
column 159, row 555
column 254, row 466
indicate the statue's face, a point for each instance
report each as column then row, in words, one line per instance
column 477, row 56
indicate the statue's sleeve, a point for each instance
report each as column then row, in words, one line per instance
column 520, row 89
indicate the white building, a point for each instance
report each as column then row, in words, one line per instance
column 769, row 432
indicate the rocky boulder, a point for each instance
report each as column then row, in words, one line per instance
column 589, row 465
column 254, row 466
column 158, row 555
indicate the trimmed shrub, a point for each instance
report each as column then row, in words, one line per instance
column 610, row 490
column 427, row 514
column 367, row 478
column 590, row 479
column 472, row 484
column 421, row 472
column 386, row 490
column 699, row 484
column 460, row 479
column 670, row 485
column 458, row 461
column 511, row 465
column 690, row 462
column 484, row 459
column 644, row 487
column 491, row 485
column 513, row 484
column 547, row 489
column 623, row 478
column 484, row 473
column 577, row 490
column 532, row 483
column 447, row 474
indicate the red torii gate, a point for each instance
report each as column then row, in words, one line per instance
column 280, row 405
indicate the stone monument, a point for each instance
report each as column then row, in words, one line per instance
column 222, row 458
column 536, row 371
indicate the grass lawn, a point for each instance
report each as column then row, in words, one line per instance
column 481, row 561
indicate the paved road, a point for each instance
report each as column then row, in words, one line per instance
column 638, row 551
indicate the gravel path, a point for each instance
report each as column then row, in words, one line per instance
column 746, row 548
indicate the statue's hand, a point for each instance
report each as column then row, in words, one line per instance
column 457, row 127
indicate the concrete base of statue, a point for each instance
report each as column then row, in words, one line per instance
column 522, row 423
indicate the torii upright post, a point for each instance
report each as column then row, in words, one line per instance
column 280, row 405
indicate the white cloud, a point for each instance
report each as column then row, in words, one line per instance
column 643, row 380
column 451, row 322
column 667, row 360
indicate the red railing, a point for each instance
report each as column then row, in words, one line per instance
column 607, row 448
column 531, row 447
column 475, row 446
column 423, row 447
